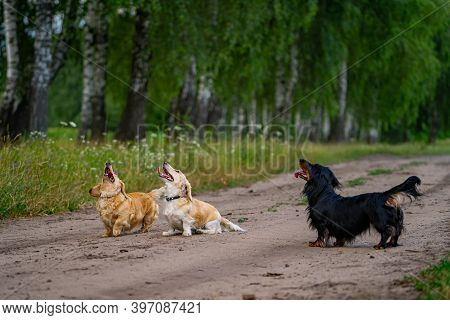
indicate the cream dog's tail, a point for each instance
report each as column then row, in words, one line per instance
column 230, row 226
column 157, row 193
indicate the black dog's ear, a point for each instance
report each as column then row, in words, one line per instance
column 334, row 181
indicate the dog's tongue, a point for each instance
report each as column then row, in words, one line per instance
column 298, row 173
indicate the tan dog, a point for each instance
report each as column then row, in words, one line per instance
column 120, row 211
column 186, row 214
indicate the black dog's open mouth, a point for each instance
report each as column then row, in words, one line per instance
column 165, row 174
column 109, row 174
column 303, row 172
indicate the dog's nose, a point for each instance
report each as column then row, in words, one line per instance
column 302, row 160
column 165, row 162
column 90, row 190
column 107, row 164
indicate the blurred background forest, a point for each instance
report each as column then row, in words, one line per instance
column 349, row 70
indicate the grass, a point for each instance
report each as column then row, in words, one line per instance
column 380, row 171
column 303, row 201
column 45, row 177
column 356, row 182
column 434, row 282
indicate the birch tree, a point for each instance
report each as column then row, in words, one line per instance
column 88, row 71
column 42, row 67
column 98, row 101
column 10, row 100
column 337, row 133
column 135, row 110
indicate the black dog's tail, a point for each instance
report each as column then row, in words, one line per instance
column 408, row 189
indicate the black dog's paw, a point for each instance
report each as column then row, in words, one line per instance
column 339, row 243
column 391, row 244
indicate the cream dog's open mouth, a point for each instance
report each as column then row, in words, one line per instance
column 164, row 174
column 108, row 173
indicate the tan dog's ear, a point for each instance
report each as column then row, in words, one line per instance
column 122, row 189
column 188, row 190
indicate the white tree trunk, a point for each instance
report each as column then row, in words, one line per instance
column 338, row 127
column 241, row 120
column 9, row 101
column 252, row 116
column 342, row 94
column 42, row 67
column 297, row 120
column 292, row 82
column 280, row 88
column 185, row 102
column 203, row 100
column 88, row 71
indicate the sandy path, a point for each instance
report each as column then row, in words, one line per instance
column 64, row 257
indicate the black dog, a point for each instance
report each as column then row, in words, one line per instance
column 346, row 217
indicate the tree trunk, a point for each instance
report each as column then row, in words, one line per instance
column 317, row 123
column 288, row 100
column 280, row 88
column 67, row 34
column 42, row 67
column 338, row 126
column 200, row 116
column 434, row 123
column 214, row 111
column 134, row 113
column 10, row 99
column 185, row 102
column 98, row 106
column 252, row 117
column 439, row 102
column 88, row 71
column 241, row 120
column 297, row 120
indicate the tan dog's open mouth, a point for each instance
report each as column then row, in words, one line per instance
column 303, row 172
column 109, row 173
column 164, row 174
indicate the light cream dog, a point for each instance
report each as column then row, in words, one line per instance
column 121, row 211
column 185, row 214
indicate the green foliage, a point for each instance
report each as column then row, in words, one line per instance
column 434, row 282
column 356, row 182
column 397, row 52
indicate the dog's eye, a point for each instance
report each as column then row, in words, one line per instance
column 177, row 171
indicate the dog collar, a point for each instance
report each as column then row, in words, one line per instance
column 111, row 194
column 172, row 198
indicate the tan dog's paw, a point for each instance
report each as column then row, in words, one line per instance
column 106, row 234
column 187, row 233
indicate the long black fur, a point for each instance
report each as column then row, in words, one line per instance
column 344, row 218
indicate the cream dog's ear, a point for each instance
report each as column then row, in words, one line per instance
column 188, row 190
column 122, row 189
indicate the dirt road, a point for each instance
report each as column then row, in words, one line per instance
column 63, row 256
